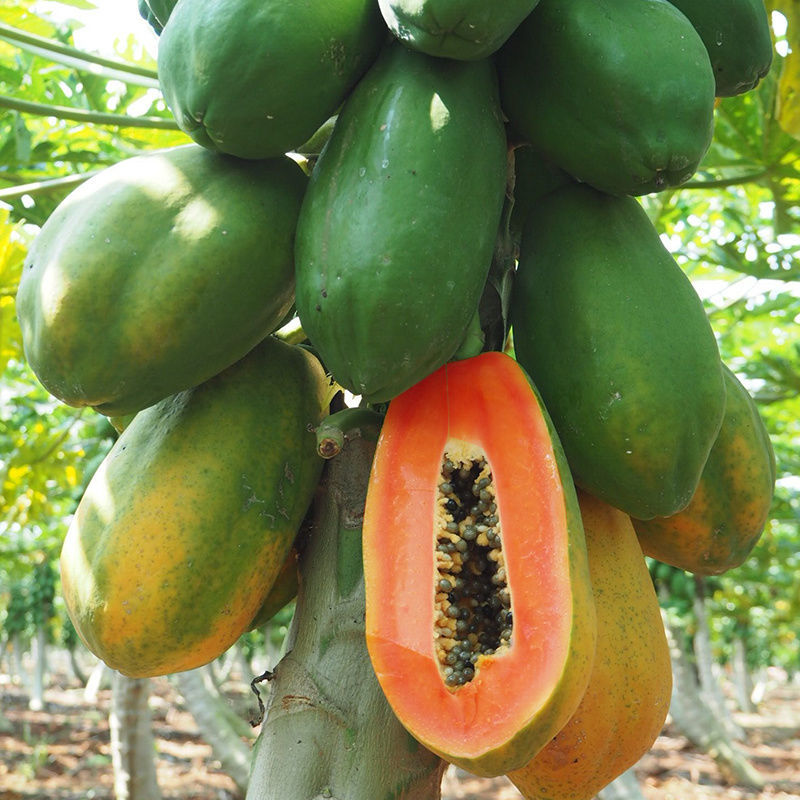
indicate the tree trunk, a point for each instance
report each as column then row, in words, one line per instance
column 742, row 679
column 133, row 753
column 221, row 668
column 16, row 659
column 77, row 669
column 760, row 689
column 216, row 722
column 709, row 684
column 695, row 719
column 329, row 732
column 99, row 676
column 36, row 702
column 625, row 787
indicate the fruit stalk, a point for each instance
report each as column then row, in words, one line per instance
column 328, row 731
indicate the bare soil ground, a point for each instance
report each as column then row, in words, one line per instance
column 62, row 752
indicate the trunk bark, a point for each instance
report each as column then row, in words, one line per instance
column 742, row 679
column 709, row 684
column 696, row 720
column 36, row 703
column 625, row 787
column 329, row 732
column 133, row 753
column 216, row 722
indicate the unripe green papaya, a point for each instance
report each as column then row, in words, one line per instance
column 156, row 12
column 619, row 93
column 397, row 228
column 737, row 36
column 188, row 521
column 256, row 78
column 462, row 29
column 158, row 273
column 612, row 332
column 534, row 178
column 721, row 525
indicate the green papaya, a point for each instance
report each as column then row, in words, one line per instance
column 256, row 78
column 187, row 523
column 612, row 332
column 156, row 12
column 397, row 228
column 158, row 273
column 534, row 178
column 737, row 35
column 619, row 93
column 725, row 518
column 461, row 29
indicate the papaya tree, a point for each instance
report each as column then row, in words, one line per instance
column 388, row 321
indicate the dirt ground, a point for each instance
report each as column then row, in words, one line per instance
column 62, row 752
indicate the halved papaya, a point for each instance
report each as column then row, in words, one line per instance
column 628, row 696
column 726, row 515
column 480, row 619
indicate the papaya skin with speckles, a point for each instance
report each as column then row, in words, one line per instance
column 726, row 516
column 627, row 699
column 187, row 522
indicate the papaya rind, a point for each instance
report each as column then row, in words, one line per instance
column 726, row 516
column 618, row 343
column 259, row 82
column 619, row 93
column 157, row 274
column 465, row 30
column 388, row 276
column 628, row 696
column 190, row 517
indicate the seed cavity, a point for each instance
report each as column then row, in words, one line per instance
column 472, row 602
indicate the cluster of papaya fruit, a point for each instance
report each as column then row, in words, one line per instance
column 444, row 193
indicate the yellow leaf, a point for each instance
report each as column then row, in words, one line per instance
column 71, row 475
column 16, row 474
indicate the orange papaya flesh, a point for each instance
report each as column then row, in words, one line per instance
column 442, row 573
column 628, row 696
column 726, row 515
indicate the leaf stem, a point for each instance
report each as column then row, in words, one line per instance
column 81, row 115
column 79, row 59
column 13, row 193
column 721, row 183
